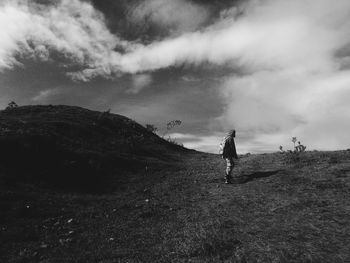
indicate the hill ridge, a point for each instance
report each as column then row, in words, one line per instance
column 79, row 143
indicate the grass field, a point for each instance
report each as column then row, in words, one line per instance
column 282, row 209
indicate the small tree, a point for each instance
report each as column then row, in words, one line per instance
column 294, row 139
column 281, row 149
column 172, row 124
column 103, row 115
column 11, row 105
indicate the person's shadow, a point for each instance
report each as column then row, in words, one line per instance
column 256, row 175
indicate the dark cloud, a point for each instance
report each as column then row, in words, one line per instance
column 119, row 17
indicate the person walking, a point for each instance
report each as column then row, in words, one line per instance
column 228, row 152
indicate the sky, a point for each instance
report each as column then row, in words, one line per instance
column 271, row 69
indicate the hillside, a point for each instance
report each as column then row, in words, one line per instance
column 64, row 144
column 282, row 208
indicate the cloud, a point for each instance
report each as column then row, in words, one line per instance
column 139, row 82
column 45, row 95
column 199, row 142
column 189, row 78
column 274, row 106
column 71, row 28
column 272, row 35
column 176, row 16
column 268, row 35
column 301, row 91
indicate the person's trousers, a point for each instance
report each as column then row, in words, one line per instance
column 229, row 167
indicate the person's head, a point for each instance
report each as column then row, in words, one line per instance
column 232, row 133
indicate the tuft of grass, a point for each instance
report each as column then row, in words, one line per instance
column 174, row 142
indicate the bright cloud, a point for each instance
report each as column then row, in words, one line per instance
column 271, row 35
column 202, row 143
column 72, row 28
column 279, row 105
column 44, row 95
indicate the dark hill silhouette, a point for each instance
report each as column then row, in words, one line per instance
column 77, row 147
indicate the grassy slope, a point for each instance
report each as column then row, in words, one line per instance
column 282, row 210
column 65, row 146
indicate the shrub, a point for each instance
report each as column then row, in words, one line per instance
column 300, row 147
column 294, row 139
column 296, row 157
column 11, row 105
column 281, row 149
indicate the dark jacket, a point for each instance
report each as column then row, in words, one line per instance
column 229, row 148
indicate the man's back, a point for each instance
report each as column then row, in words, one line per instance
column 228, row 147
column 229, row 150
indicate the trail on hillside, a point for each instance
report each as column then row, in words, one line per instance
column 283, row 209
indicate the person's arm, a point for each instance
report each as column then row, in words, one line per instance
column 235, row 155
